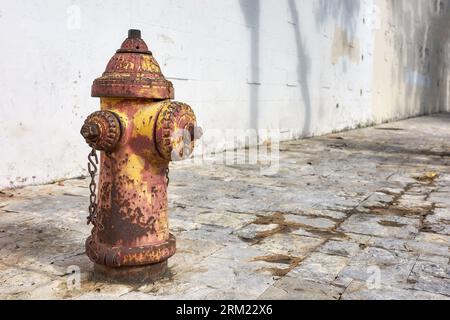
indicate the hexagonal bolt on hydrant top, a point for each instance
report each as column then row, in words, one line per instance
column 138, row 130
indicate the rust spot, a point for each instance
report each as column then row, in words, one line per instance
column 276, row 258
column 394, row 207
column 388, row 223
column 140, row 145
column 6, row 194
column 428, row 177
column 292, row 262
column 284, row 226
column 397, row 210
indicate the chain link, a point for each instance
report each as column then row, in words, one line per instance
column 92, row 169
column 167, row 176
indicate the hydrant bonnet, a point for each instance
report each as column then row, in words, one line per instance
column 133, row 73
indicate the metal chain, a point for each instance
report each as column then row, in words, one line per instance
column 167, row 176
column 92, row 168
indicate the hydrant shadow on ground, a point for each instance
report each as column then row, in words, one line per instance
column 138, row 130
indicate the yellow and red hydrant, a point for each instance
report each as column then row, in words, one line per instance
column 138, row 130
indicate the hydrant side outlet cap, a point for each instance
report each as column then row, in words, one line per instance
column 133, row 73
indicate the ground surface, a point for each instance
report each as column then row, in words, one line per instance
column 358, row 215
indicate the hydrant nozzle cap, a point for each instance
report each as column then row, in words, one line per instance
column 90, row 131
column 102, row 130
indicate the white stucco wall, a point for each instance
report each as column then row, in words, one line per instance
column 307, row 67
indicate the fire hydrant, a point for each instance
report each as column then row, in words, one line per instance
column 138, row 130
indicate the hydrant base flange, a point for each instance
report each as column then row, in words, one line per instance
column 120, row 256
column 135, row 274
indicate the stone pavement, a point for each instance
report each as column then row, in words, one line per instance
column 363, row 214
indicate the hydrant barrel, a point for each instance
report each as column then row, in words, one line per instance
column 138, row 130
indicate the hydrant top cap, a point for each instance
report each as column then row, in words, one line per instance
column 134, row 33
column 133, row 73
column 134, row 43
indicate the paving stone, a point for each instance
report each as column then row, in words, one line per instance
column 293, row 288
column 391, row 191
column 215, row 233
column 16, row 283
column 382, row 226
column 238, row 252
column 179, row 224
column 440, row 198
column 439, row 216
column 359, row 291
column 251, row 231
column 428, row 237
column 439, row 228
column 413, row 202
column 337, row 215
column 291, row 245
column 382, row 256
column 431, row 277
column 195, row 292
column 389, row 267
column 431, row 274
column 232, row 277
column 47, row 291
column 429, row 247
column 436, row 259
column 320, row 267
column 191, row 250
column 377, row 199
column 391, row 275
column 322, row 223
column 231, row 220
column 435, row 267
column 340, row 248
column 351, row 237
column 401, row 179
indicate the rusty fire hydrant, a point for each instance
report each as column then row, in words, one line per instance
column 139, row 130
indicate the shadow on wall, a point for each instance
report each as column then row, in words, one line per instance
column 345, row 15
column 425, row 61
column 251, row 11
column 345, row 12
column 414, row 82
column 413, row 76
column 422, row 53
column 303, row 69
